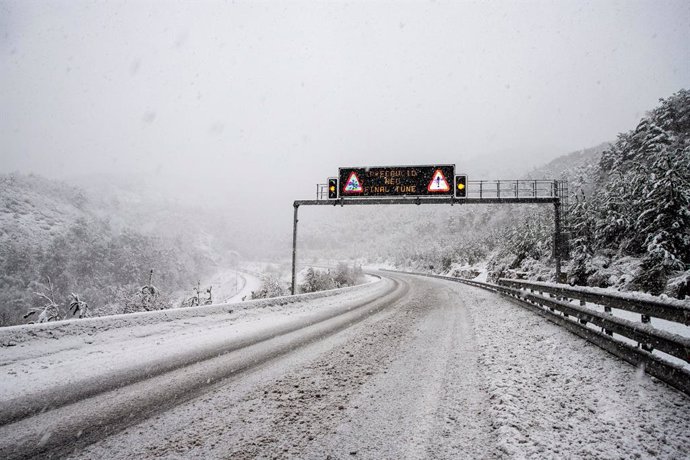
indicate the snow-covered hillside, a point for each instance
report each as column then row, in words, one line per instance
column 100, row 243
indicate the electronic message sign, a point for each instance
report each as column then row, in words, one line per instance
column 433, row 180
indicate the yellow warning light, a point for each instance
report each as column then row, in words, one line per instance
column 332, row 188
column 461, row 186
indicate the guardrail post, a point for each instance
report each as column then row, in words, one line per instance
column 646, row 346
column 294, row 250
column 607, row 331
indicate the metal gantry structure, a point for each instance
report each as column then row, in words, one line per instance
column 552, row 192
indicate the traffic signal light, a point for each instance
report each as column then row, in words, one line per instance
column 332, row 188
column 461, row 186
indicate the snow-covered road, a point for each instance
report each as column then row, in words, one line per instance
column 409, row 367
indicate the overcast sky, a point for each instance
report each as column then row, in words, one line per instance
column 272, row 97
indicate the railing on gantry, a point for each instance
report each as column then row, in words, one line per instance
column 321, row 191
column 505, row 189
column 514, row 189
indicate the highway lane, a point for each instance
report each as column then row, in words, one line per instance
column 298, row 406
column 75, row 413
column 433, row 370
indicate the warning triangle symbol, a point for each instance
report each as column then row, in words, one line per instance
column 438, row 183
column 353, row 184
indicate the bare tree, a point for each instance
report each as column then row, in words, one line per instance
column 50, row 311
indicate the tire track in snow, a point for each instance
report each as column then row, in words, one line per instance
column 61, row 430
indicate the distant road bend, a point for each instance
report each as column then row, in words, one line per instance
column 405, row 367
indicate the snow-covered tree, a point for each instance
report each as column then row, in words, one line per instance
column 49, row 311
column 147, row 298
column 640, row 203
column 195, row 300
column 665, row 220
column 209, row 296
column 271, row 286
column 315, row 280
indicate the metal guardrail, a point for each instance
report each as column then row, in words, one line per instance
column 559, row 309
column 649, row 307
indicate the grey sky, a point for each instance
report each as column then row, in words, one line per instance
column 276, row 94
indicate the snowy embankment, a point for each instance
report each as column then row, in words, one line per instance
column 51, row 364
column 639, row 315
column 553, row 395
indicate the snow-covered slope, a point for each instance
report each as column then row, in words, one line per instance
column 36, row 209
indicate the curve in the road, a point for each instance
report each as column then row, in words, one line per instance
column 108, row 403
column 59, row 394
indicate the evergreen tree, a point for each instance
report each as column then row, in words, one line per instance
column 641, row 200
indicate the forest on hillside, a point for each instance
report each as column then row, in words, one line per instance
column 60, row 256
column 107, row 270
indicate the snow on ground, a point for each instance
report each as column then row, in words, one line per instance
column 233, row 285
column 242, row 284
column 228, row 286
column 657, row 323
column 109, row 347
column 483, row 275
column 554, row 395
column 450, row 371
column 380, row 266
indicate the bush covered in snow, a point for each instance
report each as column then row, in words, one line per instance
column 271, row 286
column 341, row 276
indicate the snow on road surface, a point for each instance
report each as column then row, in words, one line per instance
column 442, row 370
column 40, row 358
column 234, row 285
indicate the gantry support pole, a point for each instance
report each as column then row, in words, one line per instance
column 294, row 249
column 557, row 238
